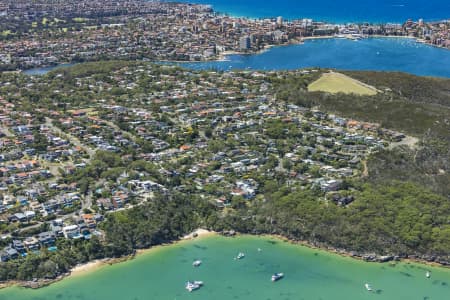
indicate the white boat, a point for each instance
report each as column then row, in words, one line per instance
column 368, row 287
column 277, row 276
column 197, row 263
column 240, row 255
column 428, row 274
column 354, row 37
column 193, row 285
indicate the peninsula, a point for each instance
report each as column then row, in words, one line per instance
column 101, row 159
column 117, row 154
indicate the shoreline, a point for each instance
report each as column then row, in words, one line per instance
column 86, row 268
column 91, row 266
column 351, row 254
column 223, row 56
column 77, row 270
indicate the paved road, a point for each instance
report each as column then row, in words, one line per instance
column 75, row 141
column 87, row 201
column 117, row 128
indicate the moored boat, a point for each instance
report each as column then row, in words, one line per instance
column 368, row 287
column 240, row 255
column 428, row 274
column 197, row 263
column 277, row 276
column 193, row 285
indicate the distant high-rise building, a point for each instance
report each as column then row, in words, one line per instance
column 244, row 43
column 280, row 21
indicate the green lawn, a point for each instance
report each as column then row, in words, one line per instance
column 79, row 20
column 339, row 83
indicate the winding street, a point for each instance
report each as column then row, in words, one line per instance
column 75, row 141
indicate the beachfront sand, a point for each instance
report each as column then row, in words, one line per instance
column 96, row 264
column 87, row 267
column 198, row 233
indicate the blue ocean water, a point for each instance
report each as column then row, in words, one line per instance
column 380, row 54
column 335, row 11
column 377, row 54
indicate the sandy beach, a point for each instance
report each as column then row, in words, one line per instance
column 87, row 267
column 198, row 233
column 318, row 37
column 223, row 55
column 96, row 264
column 83, row 269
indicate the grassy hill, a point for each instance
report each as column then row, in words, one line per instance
column 417, row 106
column 334, row 83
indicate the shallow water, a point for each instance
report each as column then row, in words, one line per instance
column 309, row 274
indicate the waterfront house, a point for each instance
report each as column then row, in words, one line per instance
column 31, row 243
column 71, row 232
column 18, row 245
column 47, row 238
column 56, row 227
column 8, row 253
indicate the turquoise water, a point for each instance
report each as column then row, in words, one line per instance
column 380, row 11
column 309, row 274
column 380, row 54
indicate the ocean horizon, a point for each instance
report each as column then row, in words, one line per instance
column 382, row 11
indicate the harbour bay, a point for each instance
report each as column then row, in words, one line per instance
column 378, row 54
column 309, row 274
